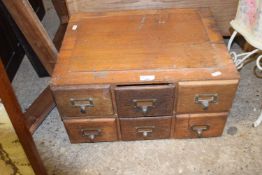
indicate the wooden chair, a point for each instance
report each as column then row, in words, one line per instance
column 18, row 120
column 36, row 35
column 26, row 123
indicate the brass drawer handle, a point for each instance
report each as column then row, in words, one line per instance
column 145, row 130
column 91, row 133
column 144, row 104
column 198, row 129
column 205, row 99
column 82, row 103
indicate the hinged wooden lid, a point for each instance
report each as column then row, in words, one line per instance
column 117, row 47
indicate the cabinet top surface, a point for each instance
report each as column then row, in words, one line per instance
column 143, row 40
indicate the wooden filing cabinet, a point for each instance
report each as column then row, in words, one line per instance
column 143, row 74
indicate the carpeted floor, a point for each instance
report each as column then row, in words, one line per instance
column 238, row 151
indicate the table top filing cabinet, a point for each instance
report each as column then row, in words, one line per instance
column 143, row 74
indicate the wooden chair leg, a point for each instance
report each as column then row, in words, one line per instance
column 59, row 36
column 36, row 35
column 61, row 10
column 38, row 111
column 62, row 13
column 16, row 116
column 34, row 32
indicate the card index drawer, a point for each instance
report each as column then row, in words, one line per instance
column 205, row 96
column 200, row 125
column 91, row 130
column 83, row 101
column 145, row 100
column 145, row 128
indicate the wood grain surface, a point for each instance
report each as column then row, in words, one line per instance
column 107, row 129
column 158, row 100
column 158, row 127
column 223, row 11
column 185, row 122
column 101, row 99
column 39, row 109
column 172, row 45
column 187, row 92
column 139, row 57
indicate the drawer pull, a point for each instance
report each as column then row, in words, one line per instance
column 91, row 133
column 144, row 104
column 205, row 99
column 82, row 104
column 198, row 129
column 146, row 131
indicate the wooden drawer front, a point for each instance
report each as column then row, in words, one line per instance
column 152, row 100
column 206, row 96
column 200, row 125
column 81, row 101
column 145, row 128
column 91, row 130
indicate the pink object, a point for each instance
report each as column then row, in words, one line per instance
column 248, row 21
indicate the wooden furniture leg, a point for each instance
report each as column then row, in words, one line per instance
column 17, row 118
column 33, row 30
column 36, row 35
column 62, row 12
column 38, row 111
column 59, row 36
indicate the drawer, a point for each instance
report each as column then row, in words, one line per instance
column 82, row 101
column 145, row 100
column 91, row 130
column 200, row 125
column 145, row 128
column 206, row 96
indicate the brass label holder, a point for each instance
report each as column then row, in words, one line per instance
column 144, row 104
column 82, row 104
column 91, row 133
column 145, row 130
column 199, row 129
column 206, row 99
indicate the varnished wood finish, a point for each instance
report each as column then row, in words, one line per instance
column 140, row 57
column 61, row 10
column 106, row 127
column 172, row 45
column 157, row 128
column 34, row 32
column 185, row 122
column 38, row 111
column 225, row 90
column 13, row 109
column 158, row 100
column 223, row 11
column 59, row 36
column 101, row 99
